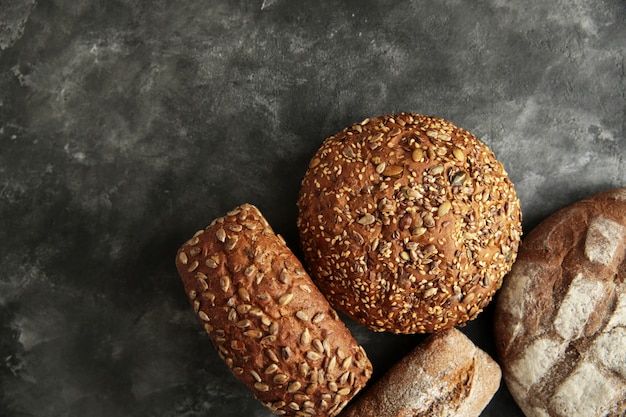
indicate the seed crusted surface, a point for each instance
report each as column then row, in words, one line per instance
column 408, row 223
column 267, row 320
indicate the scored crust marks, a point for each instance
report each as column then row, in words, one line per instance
column 519, row 281
column 577, row 306
column 538, row 358
column 567, row 354
column 618, row 319
column 586, row 392
column 266, row 318
column 603, row 240
column 408, row 223
column 609, row 349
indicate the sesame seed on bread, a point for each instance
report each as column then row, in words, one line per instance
column 408, row 223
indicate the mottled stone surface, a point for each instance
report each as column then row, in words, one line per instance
column 125, row 126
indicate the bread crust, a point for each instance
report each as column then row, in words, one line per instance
column 267, row 320
column 560, row 318
column 408, row 223
column 445, row 376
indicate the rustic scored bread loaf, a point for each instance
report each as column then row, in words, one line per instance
column 445, row 376
column 560, row 318
column 266, row 318
column 408, row 223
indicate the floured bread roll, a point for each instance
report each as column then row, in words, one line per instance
column 560, row 318
column 445, row 376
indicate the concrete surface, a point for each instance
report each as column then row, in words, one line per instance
column 125, row 126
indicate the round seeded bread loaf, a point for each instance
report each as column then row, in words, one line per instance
column 267, row 320
column 560, row 318
column 408, row 223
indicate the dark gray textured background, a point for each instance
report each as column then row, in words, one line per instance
column 125, row 126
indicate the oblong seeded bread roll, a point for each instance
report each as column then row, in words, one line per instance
column 560, row 317
column 267, row 320
column 445, row 376
column 408, row 223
